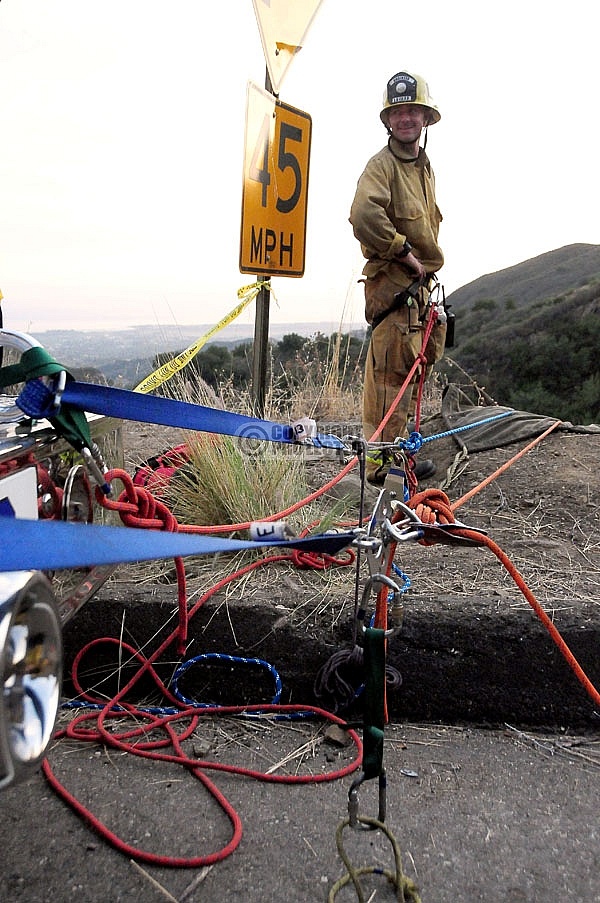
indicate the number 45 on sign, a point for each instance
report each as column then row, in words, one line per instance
column 274, row 197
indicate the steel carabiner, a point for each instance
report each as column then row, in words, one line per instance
column 353, row 800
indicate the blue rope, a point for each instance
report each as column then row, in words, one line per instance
column 407, row 582
column 467, row 426
column 222, row 657
column 416, row 441
column 97, row 706
column 179, row 672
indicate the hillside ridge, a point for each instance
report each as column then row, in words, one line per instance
column 544, row 276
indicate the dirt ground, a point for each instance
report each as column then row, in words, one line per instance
column 479, row 815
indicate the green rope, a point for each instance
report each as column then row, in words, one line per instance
column 406, row 889
column 70, row 423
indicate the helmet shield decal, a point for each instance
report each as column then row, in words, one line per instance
column 402, row 88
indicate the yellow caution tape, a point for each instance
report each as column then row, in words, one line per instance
column 247, row 294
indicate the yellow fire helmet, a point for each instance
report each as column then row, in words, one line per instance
column 406, row 88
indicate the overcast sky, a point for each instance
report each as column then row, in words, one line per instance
column 123, row 146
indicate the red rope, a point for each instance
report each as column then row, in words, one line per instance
column 421, row 359
column 133, row 740
column 138, row 507
column 130, row 489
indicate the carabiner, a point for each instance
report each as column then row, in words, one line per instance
column 59, row 388
column 394, row 603
column 94, row 462
column 412, row 527
column 353, row 801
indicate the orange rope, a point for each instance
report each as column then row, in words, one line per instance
column 434, row 507
column 468, row 495
column 544, row 618
column 230, row 528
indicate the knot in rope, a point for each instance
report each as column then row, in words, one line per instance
column 136, row 506
column 432, row 506
column 422, row 358
column 414, row 443
column 320, row 561
column 406, row 889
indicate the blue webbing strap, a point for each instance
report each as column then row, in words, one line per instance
column 48, row 545
column 36, row 400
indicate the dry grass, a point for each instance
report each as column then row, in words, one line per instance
column 230, row 480
column 332, row 389
column 223, row 484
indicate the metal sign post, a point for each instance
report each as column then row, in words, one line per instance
column 261, row 348
column 261, row 330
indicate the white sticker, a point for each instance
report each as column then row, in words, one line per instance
column 18, row 494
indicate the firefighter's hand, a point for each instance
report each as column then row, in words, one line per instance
column 414, row 264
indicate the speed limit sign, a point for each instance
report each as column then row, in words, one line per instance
column 275, row 189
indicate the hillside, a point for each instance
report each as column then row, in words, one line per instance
column 529, row 335
column 533, row 280
column 143, row 342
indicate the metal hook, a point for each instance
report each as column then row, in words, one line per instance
column 412, row 527
column 353, row 800
column 384, row 580
column 59, row 388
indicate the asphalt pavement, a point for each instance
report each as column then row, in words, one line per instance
column 478, row 815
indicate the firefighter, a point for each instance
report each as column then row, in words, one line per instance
column 395, row 217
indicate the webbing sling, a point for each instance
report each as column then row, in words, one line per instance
column 374, row 707
column 37, row 401
column 51, row 545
